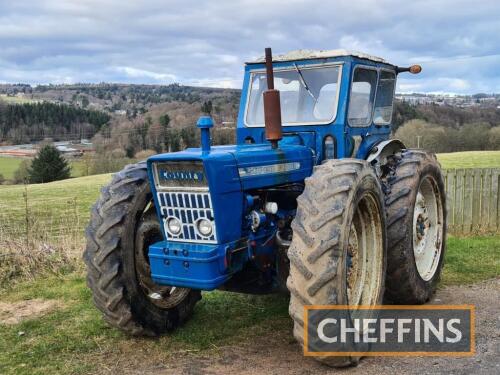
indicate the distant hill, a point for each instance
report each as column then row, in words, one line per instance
column 111, row 97
column 23, row 117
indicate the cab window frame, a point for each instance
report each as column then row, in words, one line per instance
column 333, row 64
column 370, row 121
column 393, row 96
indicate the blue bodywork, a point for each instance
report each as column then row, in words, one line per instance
column 239, row 189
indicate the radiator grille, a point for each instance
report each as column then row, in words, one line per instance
column 188, row 207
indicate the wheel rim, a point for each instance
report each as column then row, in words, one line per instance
column 365, row 253
column 147, row 233
column 427, row 228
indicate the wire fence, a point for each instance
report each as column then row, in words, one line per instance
column 40, row 235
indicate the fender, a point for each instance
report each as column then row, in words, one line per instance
column 379, row 152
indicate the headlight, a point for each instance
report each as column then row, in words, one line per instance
column 204, row 226
column 174, row 226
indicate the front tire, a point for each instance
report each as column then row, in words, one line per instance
column 338, row 250
column 416, row 219
column 122, row 226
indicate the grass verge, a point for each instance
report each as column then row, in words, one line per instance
column 75, row 338
column 471, row 259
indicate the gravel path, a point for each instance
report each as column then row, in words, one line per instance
column 281, row 355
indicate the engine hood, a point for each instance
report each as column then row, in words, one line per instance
column 242, row 167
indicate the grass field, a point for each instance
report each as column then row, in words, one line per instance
column 8, row 166
column 470, row 159
column 49, row 205
column 74, row 339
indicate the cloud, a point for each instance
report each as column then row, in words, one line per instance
column 140, row 73
column 206, row 43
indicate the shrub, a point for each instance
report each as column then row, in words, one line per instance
column 118, row 153
column 105, row 162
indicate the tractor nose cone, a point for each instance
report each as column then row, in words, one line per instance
column 205, row 123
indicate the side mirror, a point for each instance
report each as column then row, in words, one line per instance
column 414, row 69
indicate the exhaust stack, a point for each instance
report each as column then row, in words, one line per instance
column 272, row 105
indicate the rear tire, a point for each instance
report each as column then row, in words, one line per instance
column 416, row 226
column 339, row 229
column 123, row 224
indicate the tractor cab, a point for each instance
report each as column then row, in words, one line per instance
column 339, row 103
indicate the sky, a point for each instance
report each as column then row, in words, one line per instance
column 205, row 43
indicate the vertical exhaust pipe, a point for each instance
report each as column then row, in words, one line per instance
column 272, row 105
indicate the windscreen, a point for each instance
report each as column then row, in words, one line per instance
column 309, row 95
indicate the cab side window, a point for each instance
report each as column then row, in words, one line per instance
column 385, row 94
column 362, row 95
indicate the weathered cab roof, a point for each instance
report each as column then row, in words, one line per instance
column 305, row 54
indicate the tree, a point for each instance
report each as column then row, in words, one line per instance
column 85, row 101
column 207, row 107
column 173, row 140
column 418, row 133
column 494, row 138
column 48, row 165
column 475, row 136
column 165, row 120
column 190, row 137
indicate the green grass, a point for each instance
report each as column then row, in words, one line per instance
column 77, row 168
column 8, row 166
column 470, row 159
column 471, row 259
column 70, row 339
column 50, row 205
column 74, row 338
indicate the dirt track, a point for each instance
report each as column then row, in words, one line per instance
column 281, row 355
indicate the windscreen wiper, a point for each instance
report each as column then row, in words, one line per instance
column 303, row 82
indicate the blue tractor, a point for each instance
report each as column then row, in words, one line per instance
column 314, row 200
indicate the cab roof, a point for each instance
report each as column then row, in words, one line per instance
column 305, row 54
